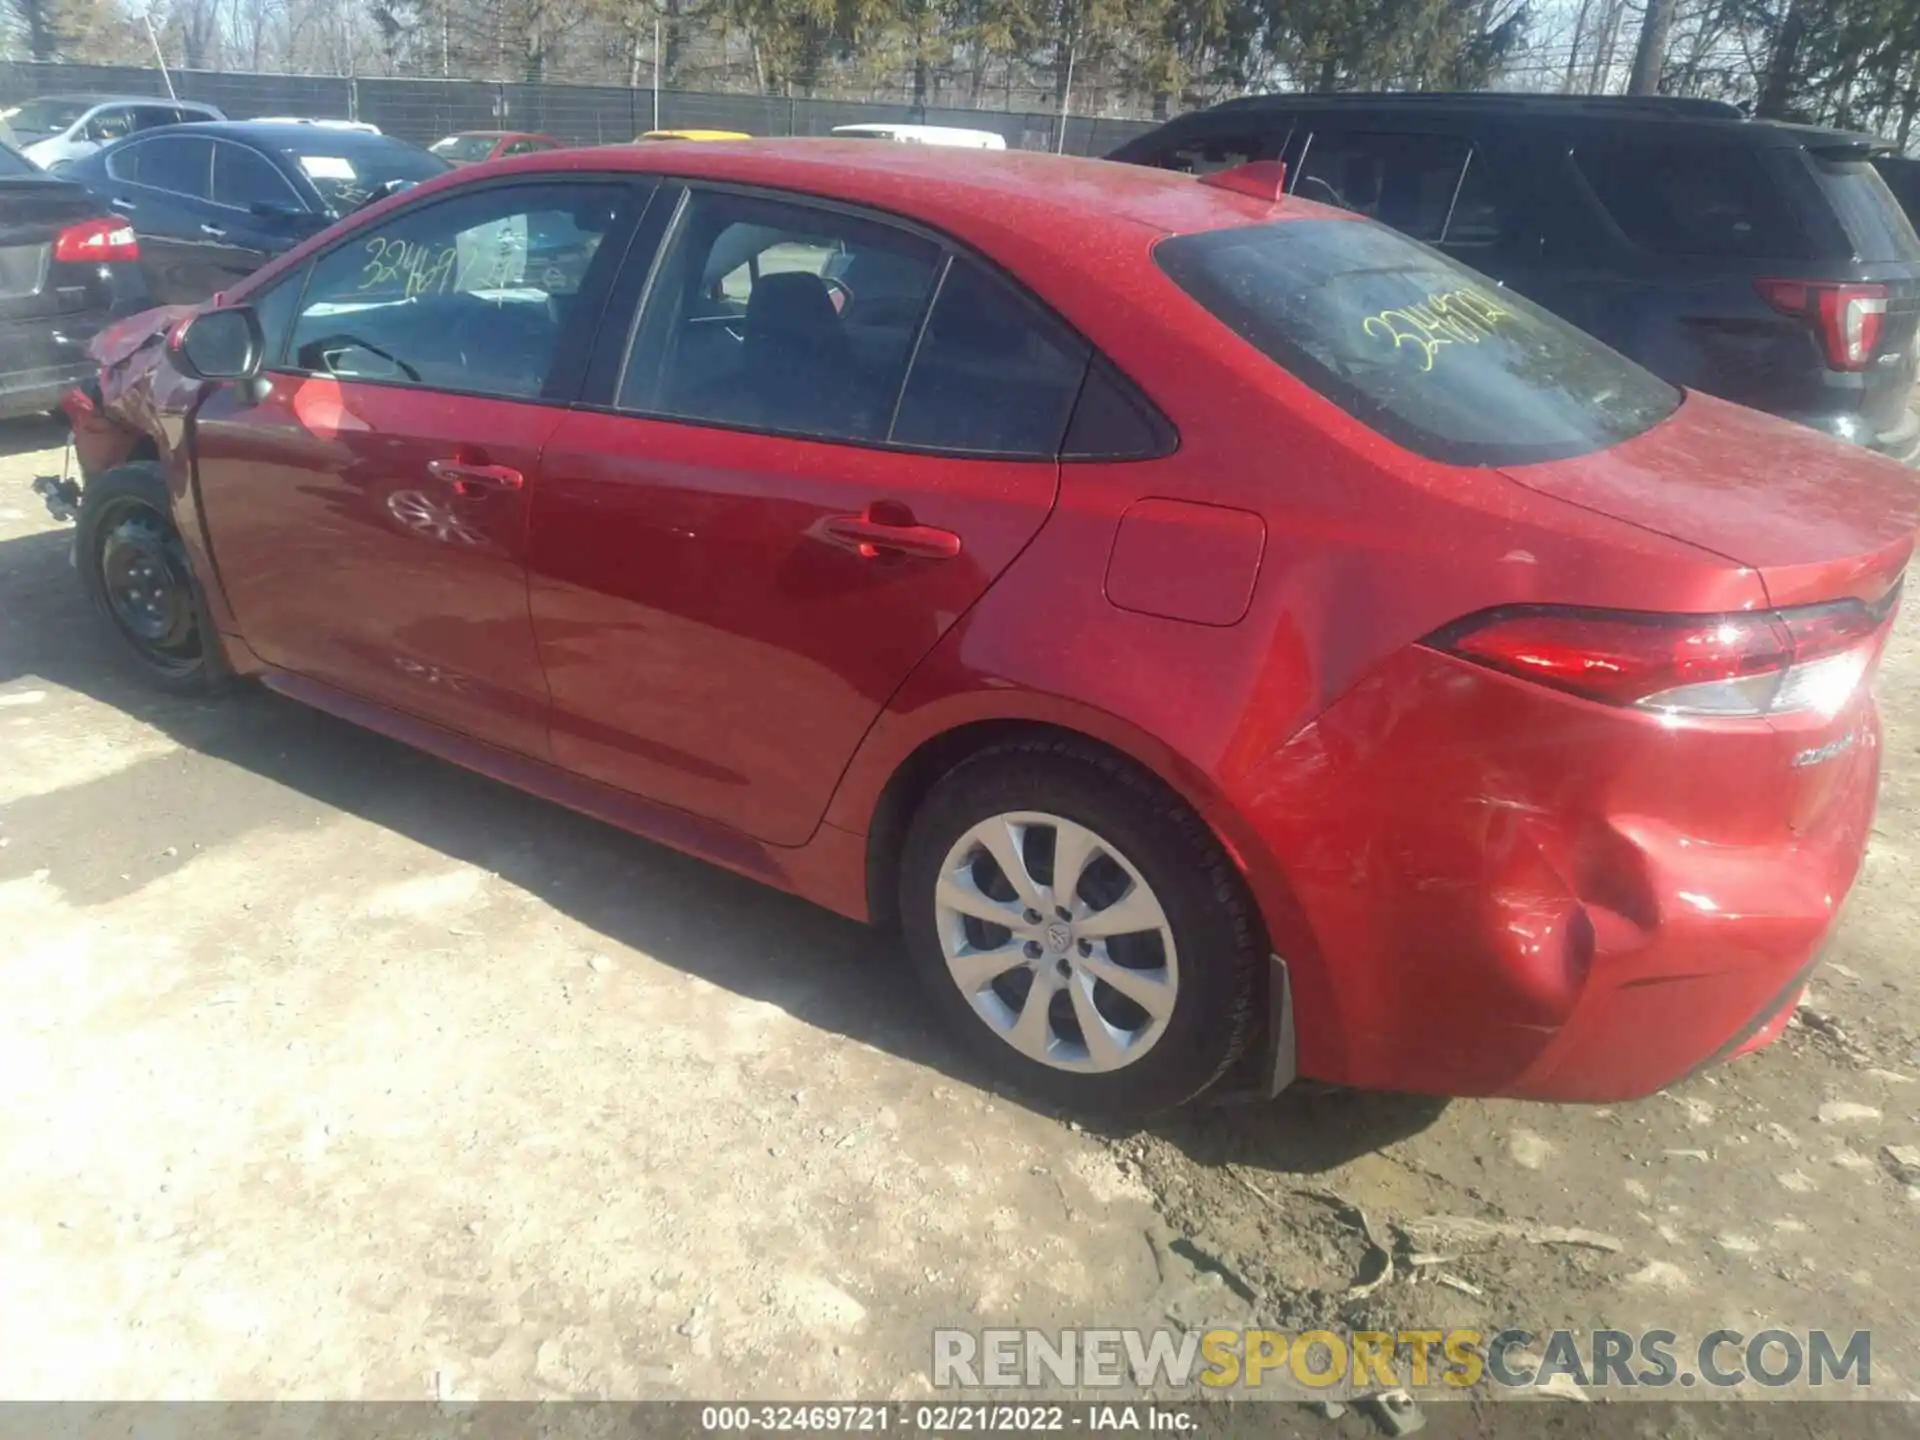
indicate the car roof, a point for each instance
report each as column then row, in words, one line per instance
column 272, row 132
column 89, row 97
column 1670, row 111
column 950, row 188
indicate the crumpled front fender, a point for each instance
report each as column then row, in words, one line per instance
column 129, row 400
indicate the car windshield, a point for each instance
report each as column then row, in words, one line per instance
column 464, row 147
column 1434, row 356
column 347, row 175
column 44, row 116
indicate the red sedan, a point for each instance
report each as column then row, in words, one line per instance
column 470, row 147
column 1231, row 640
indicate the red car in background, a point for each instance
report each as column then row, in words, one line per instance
column 1230, row 639
column 470, row 147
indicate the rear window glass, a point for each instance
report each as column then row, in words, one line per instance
column 1710, row 200
column 1432, row 355
column 1875, row 224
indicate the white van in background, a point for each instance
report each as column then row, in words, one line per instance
column 924, row 135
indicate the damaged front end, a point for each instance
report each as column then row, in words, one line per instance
column 112, row 415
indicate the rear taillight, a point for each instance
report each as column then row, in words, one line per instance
column 95, row 242
column 1847, row 318
column 1766, row 663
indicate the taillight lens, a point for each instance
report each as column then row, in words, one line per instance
column 1847, row 318
column 95, row 242
column 1766, row 663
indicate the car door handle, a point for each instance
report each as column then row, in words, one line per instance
column 216, row 231
column 124, row 206
column 470, row 479
column 868, row 538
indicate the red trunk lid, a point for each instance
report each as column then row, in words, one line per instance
column 1816, row 519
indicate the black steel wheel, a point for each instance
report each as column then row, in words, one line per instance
column 137, row 572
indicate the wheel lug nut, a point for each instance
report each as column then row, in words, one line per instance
column 1065, row 967
column 1086, row 947
column 1032, row 917
column 1033, row 949
column 1063, row 912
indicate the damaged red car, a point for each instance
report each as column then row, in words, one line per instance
column 1229, row 639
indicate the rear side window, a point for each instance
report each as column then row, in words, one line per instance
column 992, row 376
column 1876, row 226
column 1432, row 355
column 1705, row 200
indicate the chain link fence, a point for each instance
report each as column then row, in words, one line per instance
column 424, row 110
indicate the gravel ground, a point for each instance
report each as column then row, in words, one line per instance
column 330, row 1070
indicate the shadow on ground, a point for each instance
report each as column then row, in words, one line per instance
column 30, row 433
column 98, row 840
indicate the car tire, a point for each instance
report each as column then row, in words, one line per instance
column 136, row 572
column 1188, row 1010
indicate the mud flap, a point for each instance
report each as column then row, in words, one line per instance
column 1269, row 1070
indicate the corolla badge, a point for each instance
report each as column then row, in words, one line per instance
column 1822, row 753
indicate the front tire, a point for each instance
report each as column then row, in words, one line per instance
column 1079, row 928
column 137, row 574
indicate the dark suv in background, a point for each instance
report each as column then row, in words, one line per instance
column 1761, row 262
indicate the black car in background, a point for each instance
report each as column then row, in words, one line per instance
column 1765, row 263
column 66, row 269
column 214, row 202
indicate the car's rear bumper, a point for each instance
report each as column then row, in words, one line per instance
column 1899, row 441
column 43, row 356
column 41, row 359
column 1485, row 887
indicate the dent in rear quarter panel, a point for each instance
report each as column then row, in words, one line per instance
column 1533, row 894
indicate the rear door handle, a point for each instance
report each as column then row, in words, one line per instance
column 469, row 479
column 125, row 207
column 868, row 538
column 216, row 231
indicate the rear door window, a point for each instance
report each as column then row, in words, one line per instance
column 776, row 316
column 1432, row 355
column 152, row 117
column 1406, row 181
column 1693, row 199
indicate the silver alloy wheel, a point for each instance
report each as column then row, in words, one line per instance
column 1057, row 941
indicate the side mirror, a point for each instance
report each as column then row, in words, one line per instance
column 223, row 344
column 288, row 219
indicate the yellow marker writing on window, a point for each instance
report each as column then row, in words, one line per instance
column 1447, row 317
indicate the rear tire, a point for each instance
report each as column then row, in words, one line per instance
column 136, row 572
column 1147, row 960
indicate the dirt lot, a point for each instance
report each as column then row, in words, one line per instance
column 329, row 1070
